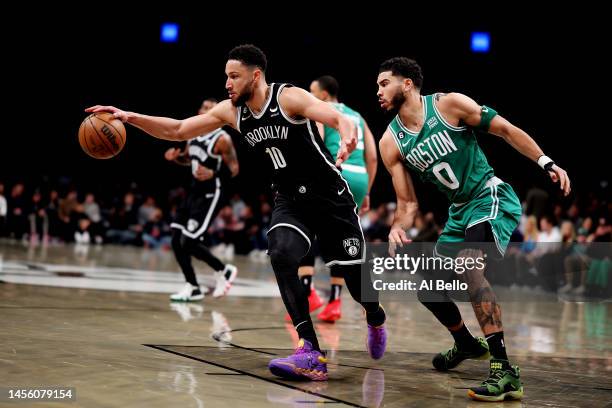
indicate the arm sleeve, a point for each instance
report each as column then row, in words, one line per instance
column 486, row 116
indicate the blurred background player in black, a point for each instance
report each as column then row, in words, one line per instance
column 213, row 160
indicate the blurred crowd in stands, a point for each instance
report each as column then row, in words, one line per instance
column 551, row 247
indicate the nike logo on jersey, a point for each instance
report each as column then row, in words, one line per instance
column 211, row 195
column 273, row 109
column 341, row 191
column 246, row 113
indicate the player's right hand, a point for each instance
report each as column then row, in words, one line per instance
column 172, row 154
column 397, row 238
column 558, row 174
column 347, row 145
column 118, row 113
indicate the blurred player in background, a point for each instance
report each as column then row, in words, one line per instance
column 213, row 162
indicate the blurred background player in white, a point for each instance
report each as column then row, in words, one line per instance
column 213, row 160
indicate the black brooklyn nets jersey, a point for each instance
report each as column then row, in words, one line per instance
column 201, row 152
column 291, row 147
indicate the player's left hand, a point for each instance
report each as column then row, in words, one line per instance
column 558, row 174
column 203, row 173
column 397, row 238
column 172, row 154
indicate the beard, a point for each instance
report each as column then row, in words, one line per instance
column 245, row 95
column 396, row 102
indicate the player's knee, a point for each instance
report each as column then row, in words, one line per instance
column 282, row 255
column 284, row 252
column 475, row 280
column 473, row 255
column 472, row 266
column 286, row 248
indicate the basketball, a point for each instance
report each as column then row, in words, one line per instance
column 101, row 135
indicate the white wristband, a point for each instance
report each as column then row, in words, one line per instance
column 544, row 160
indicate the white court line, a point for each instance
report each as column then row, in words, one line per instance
column 122, row 279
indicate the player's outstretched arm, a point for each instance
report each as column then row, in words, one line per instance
column 485, row 118
column 173, row 129
column 298, row 102
column 407, row 204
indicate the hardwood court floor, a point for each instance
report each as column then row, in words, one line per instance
column 101, row 322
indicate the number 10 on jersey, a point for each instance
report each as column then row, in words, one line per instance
column 277, row 157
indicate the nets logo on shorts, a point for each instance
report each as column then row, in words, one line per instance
column 192, row 225
column 351, row 246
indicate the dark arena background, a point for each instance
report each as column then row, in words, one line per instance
column 87, row 264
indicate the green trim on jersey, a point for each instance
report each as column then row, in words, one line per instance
column 446, row 155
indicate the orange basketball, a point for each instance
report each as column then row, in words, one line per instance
column 101, row 135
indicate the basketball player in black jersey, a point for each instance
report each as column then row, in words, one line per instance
column 213, row 161
column 277, row 122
